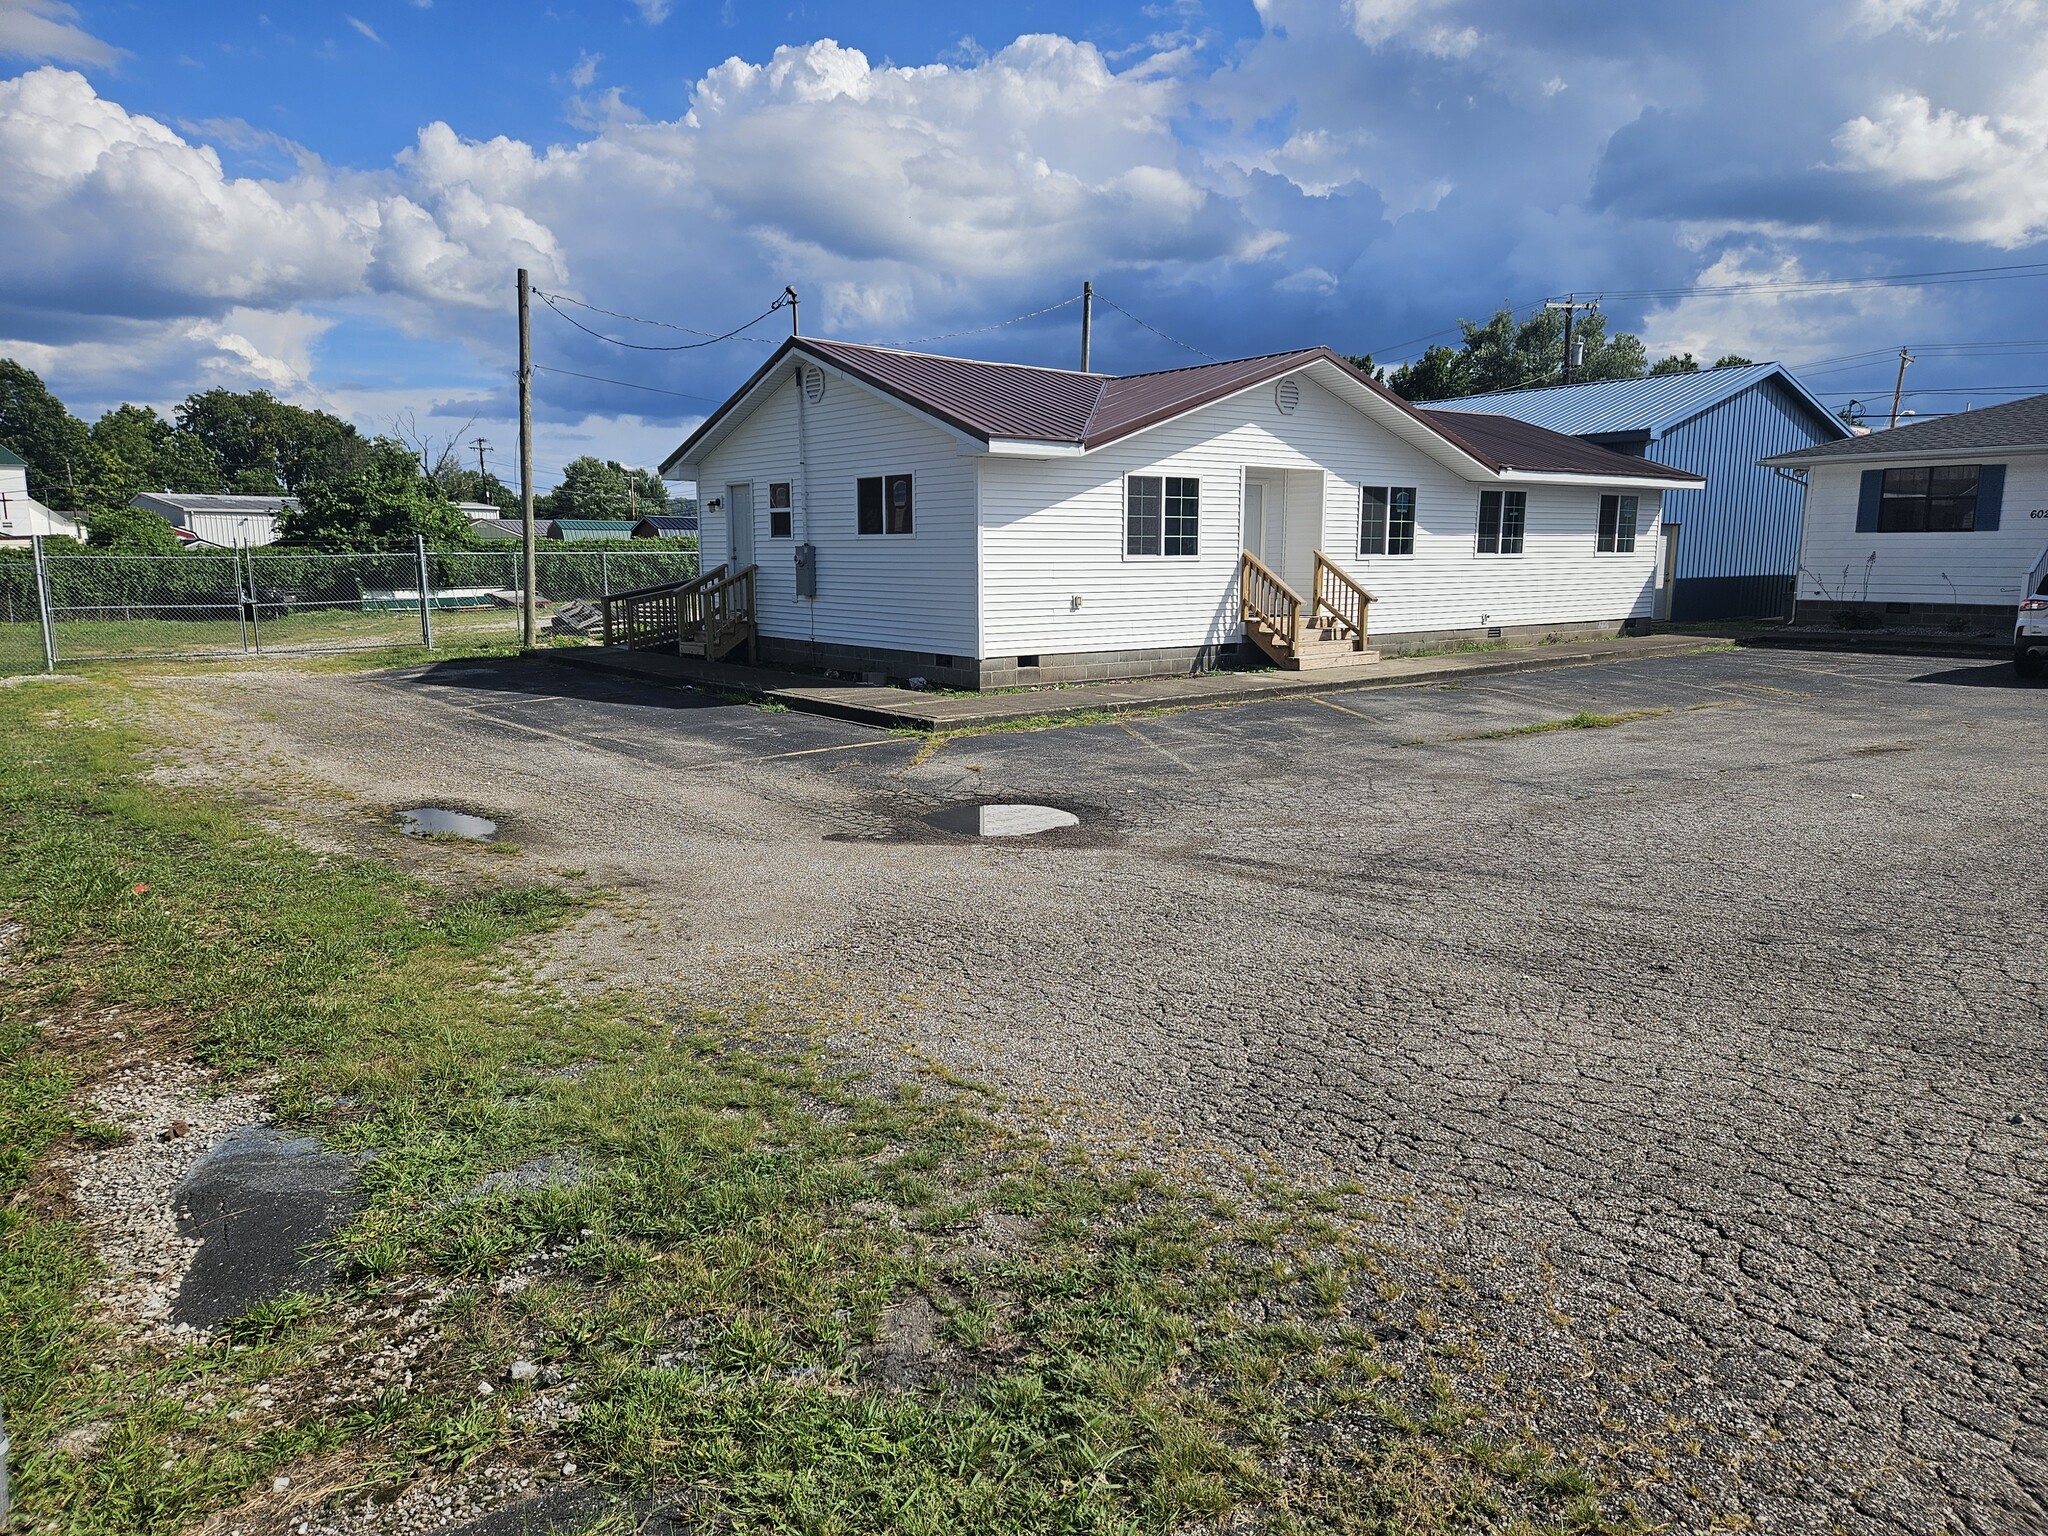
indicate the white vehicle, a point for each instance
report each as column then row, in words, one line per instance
column 2030, row 634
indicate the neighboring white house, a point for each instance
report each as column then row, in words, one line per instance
column 232, row 522
column 982, row 524
column 22, row 517
column 1940, row 519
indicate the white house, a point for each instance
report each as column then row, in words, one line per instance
column 1941, row 519
column 983, row 524
column 22, row 517
column 232, row 522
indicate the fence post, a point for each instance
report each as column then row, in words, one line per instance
column 254, row 608
column 43, row 610
column 419, row 543
column 242, row 602
column 604, row 573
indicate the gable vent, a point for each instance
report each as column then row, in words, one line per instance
column 1287, row 395
column 814, row 384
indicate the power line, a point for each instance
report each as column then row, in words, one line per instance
column 1112, row 303
column 982, row 329
column 555, row 301
column 625, row 384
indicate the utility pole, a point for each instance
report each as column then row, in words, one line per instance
column 529, row 611
column 1899, row 387
column 1571, row 306
column 790, row 294
column 1087, row 321
column 483, row 476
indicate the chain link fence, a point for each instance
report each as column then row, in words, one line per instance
column 59, row 608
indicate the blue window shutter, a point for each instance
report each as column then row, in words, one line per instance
column 1990, row 492
column 1872, row 497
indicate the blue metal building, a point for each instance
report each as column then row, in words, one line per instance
column 1736, row 543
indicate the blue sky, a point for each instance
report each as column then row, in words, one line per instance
column 330, row 200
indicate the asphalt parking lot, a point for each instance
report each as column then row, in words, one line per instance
column 1719, row 1028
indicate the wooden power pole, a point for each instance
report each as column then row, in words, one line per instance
column 529, row 610
column 1899, row 387
column 1087, row 321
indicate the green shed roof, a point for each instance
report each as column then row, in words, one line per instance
column 9, row 457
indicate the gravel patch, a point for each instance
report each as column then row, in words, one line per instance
column 126, row 1194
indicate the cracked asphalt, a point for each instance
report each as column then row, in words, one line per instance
column 1718, row 1030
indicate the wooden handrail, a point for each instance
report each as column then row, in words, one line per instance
column 728, row 612
column 658, row 616
column 1343, row 599
column 1262, row 595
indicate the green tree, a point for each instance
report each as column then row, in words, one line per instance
column 605, row 488
column 382, row 504
column 265, row 446
column 55, row 444
column 1733, row 360
column 137, row 450
column 1678, row 362
column 121, row 530
column 1441, row 373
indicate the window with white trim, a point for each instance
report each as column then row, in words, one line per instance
column 1617, row 525
column 1503, row 516
column 882, row 504
column 1386, row 520
column 779, row 509
column 1162, row 515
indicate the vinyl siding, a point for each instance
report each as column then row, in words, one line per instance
column 1838, row 564
column 1052, row 531
column 913, row 592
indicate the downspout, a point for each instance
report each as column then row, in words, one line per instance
column 803, row 489
column 1798, row 478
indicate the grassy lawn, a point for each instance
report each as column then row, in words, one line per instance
column 762, row 1288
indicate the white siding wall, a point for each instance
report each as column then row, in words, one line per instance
column 1052, row 530
column 910, row 592
column 1838, row 564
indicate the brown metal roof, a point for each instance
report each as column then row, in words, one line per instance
column 1086, row 410
column 1506, row 443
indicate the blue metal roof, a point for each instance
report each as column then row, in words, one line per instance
column 1655, row 405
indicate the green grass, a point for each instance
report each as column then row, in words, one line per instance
column 728, row 1281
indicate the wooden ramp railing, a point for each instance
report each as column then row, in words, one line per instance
column 1343, row 599
column 653, row 618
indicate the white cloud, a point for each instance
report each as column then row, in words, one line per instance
column 365, row 28
column 1988, row 173
column 48, row 29
column 584, row 74
column 1774, row 326
column 653, row 12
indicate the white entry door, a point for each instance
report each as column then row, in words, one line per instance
column 739, row 526
column 1255, row 518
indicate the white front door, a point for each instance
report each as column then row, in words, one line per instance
column 739, row 526
column 1255, row 518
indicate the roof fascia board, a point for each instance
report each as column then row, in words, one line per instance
column 1033, row 448
column 1810, row 460
column 1580, row 477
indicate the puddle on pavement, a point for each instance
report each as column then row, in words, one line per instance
column 433, row 821
column 1005, row 820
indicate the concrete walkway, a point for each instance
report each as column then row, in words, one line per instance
column 905, row 709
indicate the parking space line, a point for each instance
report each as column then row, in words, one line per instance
column 1170, row 756
column 1341, row 709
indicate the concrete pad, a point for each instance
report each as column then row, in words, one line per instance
column 257, row 1199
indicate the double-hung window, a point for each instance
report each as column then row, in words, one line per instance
column 1502, row 517
column 1940, row 498
column 882, row 504
column 779, row 509
column 1386, row 520
column 1617, row 525
column 1162, row 515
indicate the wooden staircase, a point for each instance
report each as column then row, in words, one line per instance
column 711, row 615
column 1329, row 630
